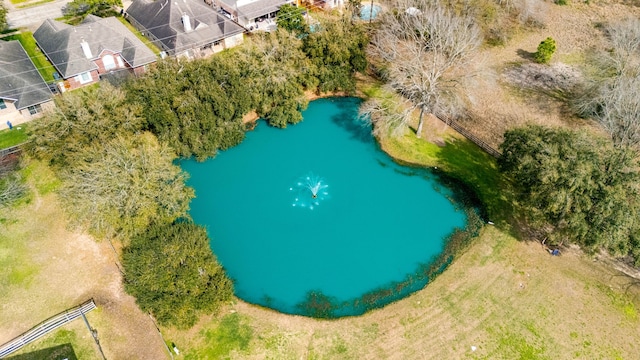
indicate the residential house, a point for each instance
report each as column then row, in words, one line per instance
column 184, row 28
column 23, row 92
column 95, row 47
column 333, row 4
column 253, row 14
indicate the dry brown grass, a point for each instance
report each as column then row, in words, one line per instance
column 51, row 269
column 500, row 106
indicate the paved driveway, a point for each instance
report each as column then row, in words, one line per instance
column 32, row 17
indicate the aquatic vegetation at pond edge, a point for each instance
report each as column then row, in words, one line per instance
column 377, row 231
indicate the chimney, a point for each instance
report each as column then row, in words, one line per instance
column 186, row 22
column 85, row 49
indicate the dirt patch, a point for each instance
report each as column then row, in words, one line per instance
column 64, row 269
column 556, row 77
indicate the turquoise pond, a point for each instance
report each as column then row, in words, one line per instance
column 373, row 225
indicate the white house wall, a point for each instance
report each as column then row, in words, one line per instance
column 234, row 40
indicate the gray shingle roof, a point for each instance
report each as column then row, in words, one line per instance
column 163, row 18
column 255, row 9
column 19, row 79
column 61, row 43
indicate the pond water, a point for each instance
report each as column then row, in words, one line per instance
column 316, row 220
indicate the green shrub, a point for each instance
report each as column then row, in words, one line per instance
column 172, row 273
column 545, row 50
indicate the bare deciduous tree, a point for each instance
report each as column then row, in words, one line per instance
column 613, row 101
column 625, row 42
column 386, row 111
column 620, row 110
column 11, row 189
column 425, row 50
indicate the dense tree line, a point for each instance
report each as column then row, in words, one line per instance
column 114, row 150
column 3, row 17
column 197, row 107
column 575, row 187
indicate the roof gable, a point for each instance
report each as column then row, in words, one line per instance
column 165, row 20
column 251, row 9
column 20, row 81
column 61, row 43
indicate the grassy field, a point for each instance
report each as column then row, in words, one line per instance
column 505, row 299
column 508, row 299
column 12, row 137
column 39, row 59
column 73, row 341
column 502, row 298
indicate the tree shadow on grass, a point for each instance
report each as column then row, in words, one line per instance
column 526, row 55
column 466, row 162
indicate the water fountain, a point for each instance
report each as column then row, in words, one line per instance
column 310, row 191
column 327, row 229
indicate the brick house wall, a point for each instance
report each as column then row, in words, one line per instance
column 73, row 83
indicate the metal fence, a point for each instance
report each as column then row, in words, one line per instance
column 45, row 327
column 471, row 137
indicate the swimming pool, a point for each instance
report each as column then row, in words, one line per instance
column 369, row 12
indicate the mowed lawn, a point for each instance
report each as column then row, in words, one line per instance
column 502, row 298
column 505, row 299
column 45, row 268
column 38, row 58
column 13, row 137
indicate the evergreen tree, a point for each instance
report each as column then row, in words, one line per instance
column 545, row 51
column 119, row 188
column 173, row 274
column 82, row 118
column 575, row 187
column 291, row 18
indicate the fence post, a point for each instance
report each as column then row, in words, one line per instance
column 94, row 334
column 161, row 337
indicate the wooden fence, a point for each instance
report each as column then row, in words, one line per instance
column 471, row 137
column 45, row 327
column 10, row 150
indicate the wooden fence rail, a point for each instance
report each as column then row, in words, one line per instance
column 10, row 150
column 45, row 327
column 471, row 137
